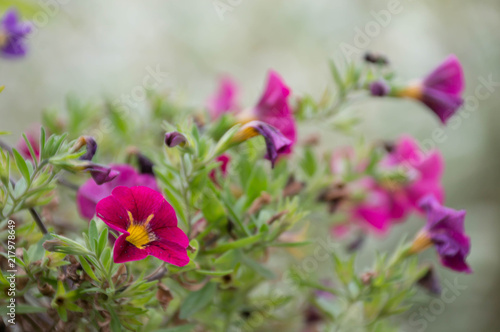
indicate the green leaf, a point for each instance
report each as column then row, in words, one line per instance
column 212, row 208
column 258, row 267
column 182, row 328
column 21, row 165
column 337, row 78
column 87, row 268
column 236, row 244
column 23, row 309
column 198, row 300
column 214, row 273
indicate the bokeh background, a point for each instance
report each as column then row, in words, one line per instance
column 97, row 49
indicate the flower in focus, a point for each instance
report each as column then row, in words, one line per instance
column 276, row 143
column 12, row 35
column 273, row 107
column 445, row 230
column 224, row 162
column 148, row 223
column 441, row 90
column 225, row 99
column 90, row 192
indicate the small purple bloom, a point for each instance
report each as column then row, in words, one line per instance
column 174, row 138
column 276, row 142
column 379, row 88
column 101, row 174
column 441, row 90
column 12, row 35
column 91, row 145
column 90, row 192
column 445, row 230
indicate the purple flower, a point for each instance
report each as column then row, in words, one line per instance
column 441, row 90
column 12, row 35
column 101, row 174
column 90, row 192
column 174, row 138
column 445, row 230
column 273, row 106
column 379, row 88
column 276, row 143
column 148, row 223
column 91, row 145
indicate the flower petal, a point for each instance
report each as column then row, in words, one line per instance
column 172, row 234
column 124, row 251
column 140, row 201
column 168, row 252
column 113, row 213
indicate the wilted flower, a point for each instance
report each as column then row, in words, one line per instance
column 276, row 143
column 225, row 99
column 174, row 138
column 91, row 145
column 148, row 223
column 90, row 192
column 445, row 230
column 101, row 174
column 12, row 35
column 441, row 90
column 273, row 107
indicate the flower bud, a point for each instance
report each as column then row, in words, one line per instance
column 430, row 281
column 375, row 58
column 175, row 138
column 91, row 144
column 379, row 88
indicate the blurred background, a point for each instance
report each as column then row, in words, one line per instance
column 97, row 49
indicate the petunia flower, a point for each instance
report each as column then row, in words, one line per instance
column 148, row 223
column 272, row 108
column 276, row 143
column 445, row 231
column 441, row 90
column 90, row 144
column 90, row 192
column 12, row 35
column 174, row 138
column 225, row 99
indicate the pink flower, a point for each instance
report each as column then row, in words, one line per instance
column 441, row 90
column 224, row 162
column 148, row 223
column 445, row 230
column 90, row 192
column 225, row 99
column 273, row 106
column 33, row 136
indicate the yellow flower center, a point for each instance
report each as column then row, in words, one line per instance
column 3, row 38
column 413, row 91
column 139, row 233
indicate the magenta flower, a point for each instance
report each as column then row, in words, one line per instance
column 224, row 162
column 276, row 143
column 441, row 90
column 445, row 230
column 12, row 35
column 225, row 99
column 273, row 107
column 148, row 223
column 174, row 138
column 90, row 192
column 423, row 170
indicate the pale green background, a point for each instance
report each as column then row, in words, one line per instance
column 102, row 48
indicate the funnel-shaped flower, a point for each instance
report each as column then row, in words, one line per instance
column 273, row 106
column 148, row 223
column 12, row 35
column 90, row 192
column 276, row 143
column 445, row 230
column 441, row 90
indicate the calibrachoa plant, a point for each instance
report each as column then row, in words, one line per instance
column 200, row 219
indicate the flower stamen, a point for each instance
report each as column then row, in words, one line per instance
column 139, row 236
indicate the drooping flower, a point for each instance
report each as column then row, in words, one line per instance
column 272, row 108
column 174, row 138
column 441, row 90
column 445, row 231
column 148, row 223
column 12, row 35
column 100, row 173
column 225, row 99
column 90, row 192
column 276, row 143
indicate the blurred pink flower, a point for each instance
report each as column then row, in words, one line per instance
column 90, row 192
column 225, row 99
